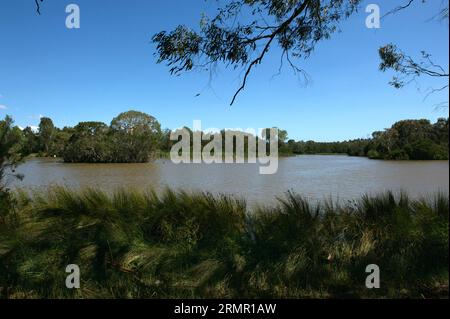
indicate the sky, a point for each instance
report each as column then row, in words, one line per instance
column 108, row 66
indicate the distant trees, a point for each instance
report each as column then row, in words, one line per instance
column 411, row 139
column 353, row 148
column 46, row 134
column 131, row 137
column 31, row 143
column 60, row 141
column 89, row 143
column 135, row 137
column 48, row 140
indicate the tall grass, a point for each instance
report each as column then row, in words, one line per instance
column 183, row 245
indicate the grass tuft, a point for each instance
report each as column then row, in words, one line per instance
column 197, row 245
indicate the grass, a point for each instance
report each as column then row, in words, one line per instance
column 183, row 245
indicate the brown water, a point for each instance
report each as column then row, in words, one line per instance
column 315, row 176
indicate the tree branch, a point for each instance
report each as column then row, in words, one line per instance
column 38, row 7
column 399, row 8
column 271, row 37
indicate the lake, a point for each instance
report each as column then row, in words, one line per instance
column 314, row 176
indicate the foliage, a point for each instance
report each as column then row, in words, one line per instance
column 353, row 148
column 10, row 156
column 179, row 245
column 134, row 136
column 408, row 69
column 412, row 139
column 89, row 143
column 405, row 140
column 46, row 134
column 294, row 26
column 10, row 146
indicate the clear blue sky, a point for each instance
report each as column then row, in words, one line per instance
column 108, row 67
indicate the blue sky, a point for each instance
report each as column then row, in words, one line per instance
column 107, row 67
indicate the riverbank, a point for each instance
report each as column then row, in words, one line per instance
column 180, row 245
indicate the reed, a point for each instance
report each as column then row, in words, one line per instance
column 177, row 244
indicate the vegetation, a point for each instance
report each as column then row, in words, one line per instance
column 132, row 137
column 294, row 26
column 10, row 141
column 137, row 137
column 198, row 245
column 180, row 245
column 408, row 69
column 411, row 139
column 243, row 32
column 352, row 148
column 405, row 140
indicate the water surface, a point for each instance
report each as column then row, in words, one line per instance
column 314, row 176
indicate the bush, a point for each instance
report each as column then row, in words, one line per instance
column 423, row 150
column 372, row 154
column 398, row 154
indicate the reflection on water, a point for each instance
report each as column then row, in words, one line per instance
column 314, row 176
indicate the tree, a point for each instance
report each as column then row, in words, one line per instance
column 10, row 156
column 135, row 136
column 89, row 143
column 46, row 134
column 135, row 121
column 440, row 132
column 38, row 6
column 60, row 141
column 407, row 69
column 165, row 143
column 31, row 142
column 10, row 145
column 295, row 26
column 411, row 139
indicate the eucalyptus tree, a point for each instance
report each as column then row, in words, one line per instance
column 135, row 136
column 47, row 132
column 408, row 69
column 244, row 31
column 89, row 143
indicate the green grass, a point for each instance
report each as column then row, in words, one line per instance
column 183, row 245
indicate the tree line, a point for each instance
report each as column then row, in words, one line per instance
column 136, row 137
column 131, row 137
column 405, row 140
